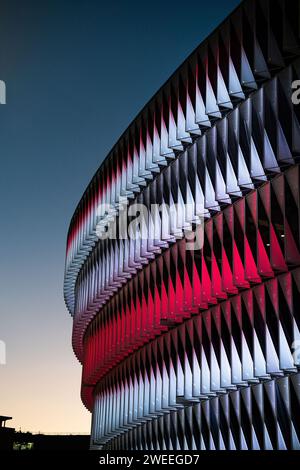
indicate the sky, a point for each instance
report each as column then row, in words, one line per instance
column 76, row 73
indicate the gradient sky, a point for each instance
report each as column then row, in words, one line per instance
column 77, row 72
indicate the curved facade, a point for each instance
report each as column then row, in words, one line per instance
column 189, row 336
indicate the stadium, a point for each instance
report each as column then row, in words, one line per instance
column 198, row 348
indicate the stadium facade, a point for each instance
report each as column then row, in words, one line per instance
column 198, row 347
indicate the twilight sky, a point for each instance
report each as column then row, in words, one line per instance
column 77, row 72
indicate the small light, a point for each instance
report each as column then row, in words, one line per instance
column 282, row 236
column 267, row 244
